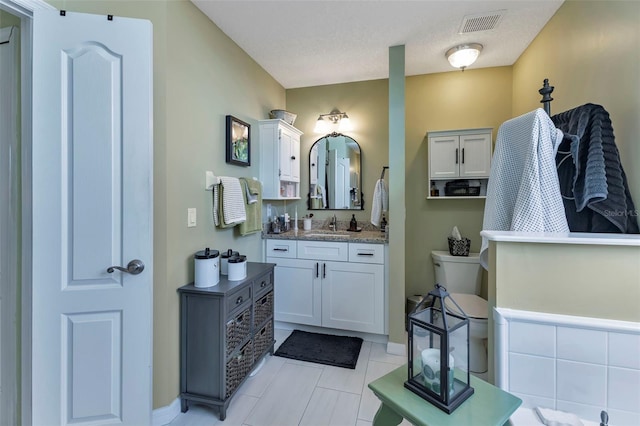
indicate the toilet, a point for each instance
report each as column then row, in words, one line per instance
column 462, row 277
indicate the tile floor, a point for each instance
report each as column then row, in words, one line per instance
column 288, row 392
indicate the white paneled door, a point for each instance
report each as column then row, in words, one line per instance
column 92, row 209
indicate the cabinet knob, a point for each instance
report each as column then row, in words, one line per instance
column 263, row 284
column 293, row 157
column 239, row 300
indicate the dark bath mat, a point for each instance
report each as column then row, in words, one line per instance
column 340, row 351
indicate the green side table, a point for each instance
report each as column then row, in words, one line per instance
column 487, row 406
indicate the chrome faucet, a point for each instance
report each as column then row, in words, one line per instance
column 333, row 223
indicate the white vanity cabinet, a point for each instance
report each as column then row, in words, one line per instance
column 459, row 154
column 330, row 284
column 279, row 160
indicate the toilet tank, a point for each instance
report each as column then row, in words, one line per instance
column 458, row 274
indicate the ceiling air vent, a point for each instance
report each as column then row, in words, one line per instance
column 481, row 22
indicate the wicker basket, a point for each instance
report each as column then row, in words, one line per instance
column 262, row 309
column 459, row 247
column 263, row 340
column 286, row 116
column 238, row 329
column 237, row 368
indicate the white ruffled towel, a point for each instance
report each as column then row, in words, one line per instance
column 380, row 202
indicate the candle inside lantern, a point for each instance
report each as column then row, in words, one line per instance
column 431, row 369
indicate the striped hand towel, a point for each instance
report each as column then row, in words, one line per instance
column 232, row 201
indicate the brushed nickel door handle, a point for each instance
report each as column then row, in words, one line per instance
column 134, row 267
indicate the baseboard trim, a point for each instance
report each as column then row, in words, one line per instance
column 396, row 348
column 165, row 415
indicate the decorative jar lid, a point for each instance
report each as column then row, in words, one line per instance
column 207, row 254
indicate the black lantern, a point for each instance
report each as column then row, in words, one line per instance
column 439, row 351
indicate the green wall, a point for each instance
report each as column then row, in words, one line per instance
column 590, row 51
column 445, row 101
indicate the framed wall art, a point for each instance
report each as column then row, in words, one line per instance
column 238, row 142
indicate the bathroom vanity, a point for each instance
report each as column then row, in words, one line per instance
column 335, row 280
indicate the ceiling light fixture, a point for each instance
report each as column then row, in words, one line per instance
column 463, row 55
column 334, row 117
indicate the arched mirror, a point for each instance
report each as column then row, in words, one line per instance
column 335, row 174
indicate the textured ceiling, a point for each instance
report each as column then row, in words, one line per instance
column 304, row 43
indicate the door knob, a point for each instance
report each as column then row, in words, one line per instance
column 134, row 267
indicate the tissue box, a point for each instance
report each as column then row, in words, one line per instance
column 459, row 247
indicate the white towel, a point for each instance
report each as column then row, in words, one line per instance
column 232, row 202
column 523, row 193
column 251, row 197
column 380, row 202
column 557, row 418
column 323, row 194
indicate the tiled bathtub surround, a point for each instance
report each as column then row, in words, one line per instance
column 575, row 364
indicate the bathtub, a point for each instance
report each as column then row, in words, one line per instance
column 574, row 364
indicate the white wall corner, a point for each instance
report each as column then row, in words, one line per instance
column 396, row 348
column 165, row 415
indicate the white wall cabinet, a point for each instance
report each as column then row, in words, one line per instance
column 330, row 284
column 459, row 154
column 279, row 160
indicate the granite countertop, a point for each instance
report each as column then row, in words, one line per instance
column 368, row 234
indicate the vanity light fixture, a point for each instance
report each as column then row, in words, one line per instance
column 463, row 55
column 334, row 117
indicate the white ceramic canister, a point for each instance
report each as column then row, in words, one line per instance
column 224, row 259
column 237, row 268
column 207, row 268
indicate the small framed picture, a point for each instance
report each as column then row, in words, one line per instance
column 238, row 142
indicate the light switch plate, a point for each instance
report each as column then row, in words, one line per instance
column 191, row 217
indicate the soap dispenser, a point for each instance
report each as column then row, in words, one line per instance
column 353, row 225
column 383, row 224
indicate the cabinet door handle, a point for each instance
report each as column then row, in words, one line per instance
column 280, row 249
column 324, row 270
column 462, row 155
column 239, row 300
column 436, row 264
column 317, row 269
column 365, row 254
column 456, row 155
column 263, row 284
